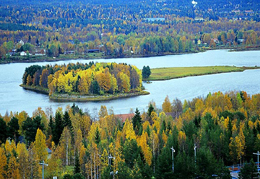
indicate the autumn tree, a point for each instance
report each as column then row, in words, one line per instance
column 3, row 163
column 40, row 146
column 24, row 164
column 166, row 106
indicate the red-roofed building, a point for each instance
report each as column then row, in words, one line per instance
column 123, row 117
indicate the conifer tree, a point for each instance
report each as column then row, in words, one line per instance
column 77, row 165
column 58, row 128
column 137, row 121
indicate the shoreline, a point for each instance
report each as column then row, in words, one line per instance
column 49, row 59
column 82, row 98
column 97, row 98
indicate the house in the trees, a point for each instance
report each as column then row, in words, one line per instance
column 12, row 52
column 216, row 40
column 21, row 42
column 69, row 52
column 23, row 53
column 240, row 41
column 40, row 52
column 93, row 50
column 123, row 117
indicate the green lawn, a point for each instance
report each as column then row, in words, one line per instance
column 179, row 72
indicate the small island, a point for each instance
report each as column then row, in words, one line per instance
column 85, row 82
column 180, row 72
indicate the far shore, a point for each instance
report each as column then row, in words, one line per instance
column 96, row 56
column 90, row 57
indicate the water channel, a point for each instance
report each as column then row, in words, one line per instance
column 16, row 99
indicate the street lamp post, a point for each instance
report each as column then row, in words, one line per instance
column 258, row 153
column 110, row 157
column 109, row 161
column 43, row 168
column 195, row 147
column 172, row 159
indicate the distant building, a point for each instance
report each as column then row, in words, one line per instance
column 216, row 40
column 124, row 117
column 49, row 152
column 12, row 52
column 240, row 40
column 236, row 11
column 40, row 52
column 21, row 42
column 69, row 52
column 249, row 11
column 154, row 19
column 199, row 19
column 23, row 53
column 93, row 50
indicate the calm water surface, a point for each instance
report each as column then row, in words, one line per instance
column 15, row 98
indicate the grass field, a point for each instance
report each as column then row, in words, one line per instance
column 179, row 72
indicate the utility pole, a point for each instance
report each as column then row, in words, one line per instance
column 43, row 168
column 195, row 147
column 109, row 161
column 258, row 153
column 110, row 157
column 172, row 159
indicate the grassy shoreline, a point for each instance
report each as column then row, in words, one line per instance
column 180, row 72
column 82, row 98
column 94, row 56
column 23, row 59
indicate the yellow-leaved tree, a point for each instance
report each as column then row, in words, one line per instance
column 12, row 169
column 237, row 146
column 143, row 142
column 22, row 116
column 3, row 163
column 166, row 106
column 182, row 140
column 23, row 156
column 78, row 141
column 128, row 130
column 40, row 145
column 54, row 163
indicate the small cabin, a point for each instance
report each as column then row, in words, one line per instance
column 93, row 50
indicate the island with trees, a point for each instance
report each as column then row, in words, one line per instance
column 85, row 82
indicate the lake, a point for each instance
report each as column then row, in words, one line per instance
column 16, row 99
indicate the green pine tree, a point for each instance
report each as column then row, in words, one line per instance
column 77, row 165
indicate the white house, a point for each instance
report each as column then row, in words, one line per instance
column 21, row 42
column 23, row 53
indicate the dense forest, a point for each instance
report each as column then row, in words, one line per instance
column 125, row 28
column 222, row 129
column 86, row 79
